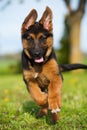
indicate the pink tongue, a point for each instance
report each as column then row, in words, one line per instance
column 39, row 60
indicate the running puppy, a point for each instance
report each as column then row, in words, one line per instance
column 41, row 72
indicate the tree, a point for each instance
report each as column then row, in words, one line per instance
column 72, row 40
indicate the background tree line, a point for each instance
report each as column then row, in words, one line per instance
column 69, row 51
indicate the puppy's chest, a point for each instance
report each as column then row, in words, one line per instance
column 40, row 76
column 44, row 74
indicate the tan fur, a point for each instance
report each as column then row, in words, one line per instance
column 53, row 98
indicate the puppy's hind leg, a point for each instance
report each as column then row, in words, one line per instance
column 42, row 112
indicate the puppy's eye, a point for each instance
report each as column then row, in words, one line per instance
column 42, row 38
column 30, row 39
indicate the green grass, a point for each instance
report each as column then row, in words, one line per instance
column 18, row 111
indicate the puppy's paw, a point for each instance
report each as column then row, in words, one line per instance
column 54, row 104
column 55, row 110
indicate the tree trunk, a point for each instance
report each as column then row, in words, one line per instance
column 74, row 19
column 74, row 39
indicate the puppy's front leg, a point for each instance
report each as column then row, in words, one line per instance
column 36, row 93
column 54, row 96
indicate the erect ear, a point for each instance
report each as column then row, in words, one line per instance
column 29, row 20
column 46, row 19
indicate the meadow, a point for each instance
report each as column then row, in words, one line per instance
column 18, row 110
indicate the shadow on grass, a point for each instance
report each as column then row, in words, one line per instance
column 31, row 108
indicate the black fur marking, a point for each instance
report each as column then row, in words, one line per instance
column 35, row 29
column 25, row 64
column 70, row 67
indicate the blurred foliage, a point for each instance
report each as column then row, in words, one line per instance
column 10, row 65
column 16, row 68
column 64, row 51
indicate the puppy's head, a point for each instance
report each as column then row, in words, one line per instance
column 37, row 36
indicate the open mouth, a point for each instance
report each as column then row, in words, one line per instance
column 40, row 60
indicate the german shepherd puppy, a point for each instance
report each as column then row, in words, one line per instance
column 41, row 72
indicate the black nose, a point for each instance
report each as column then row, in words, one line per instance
column 37, row 53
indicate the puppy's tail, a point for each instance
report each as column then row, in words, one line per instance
column 70, row 67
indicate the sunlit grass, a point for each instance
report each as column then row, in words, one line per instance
column 18, row 111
